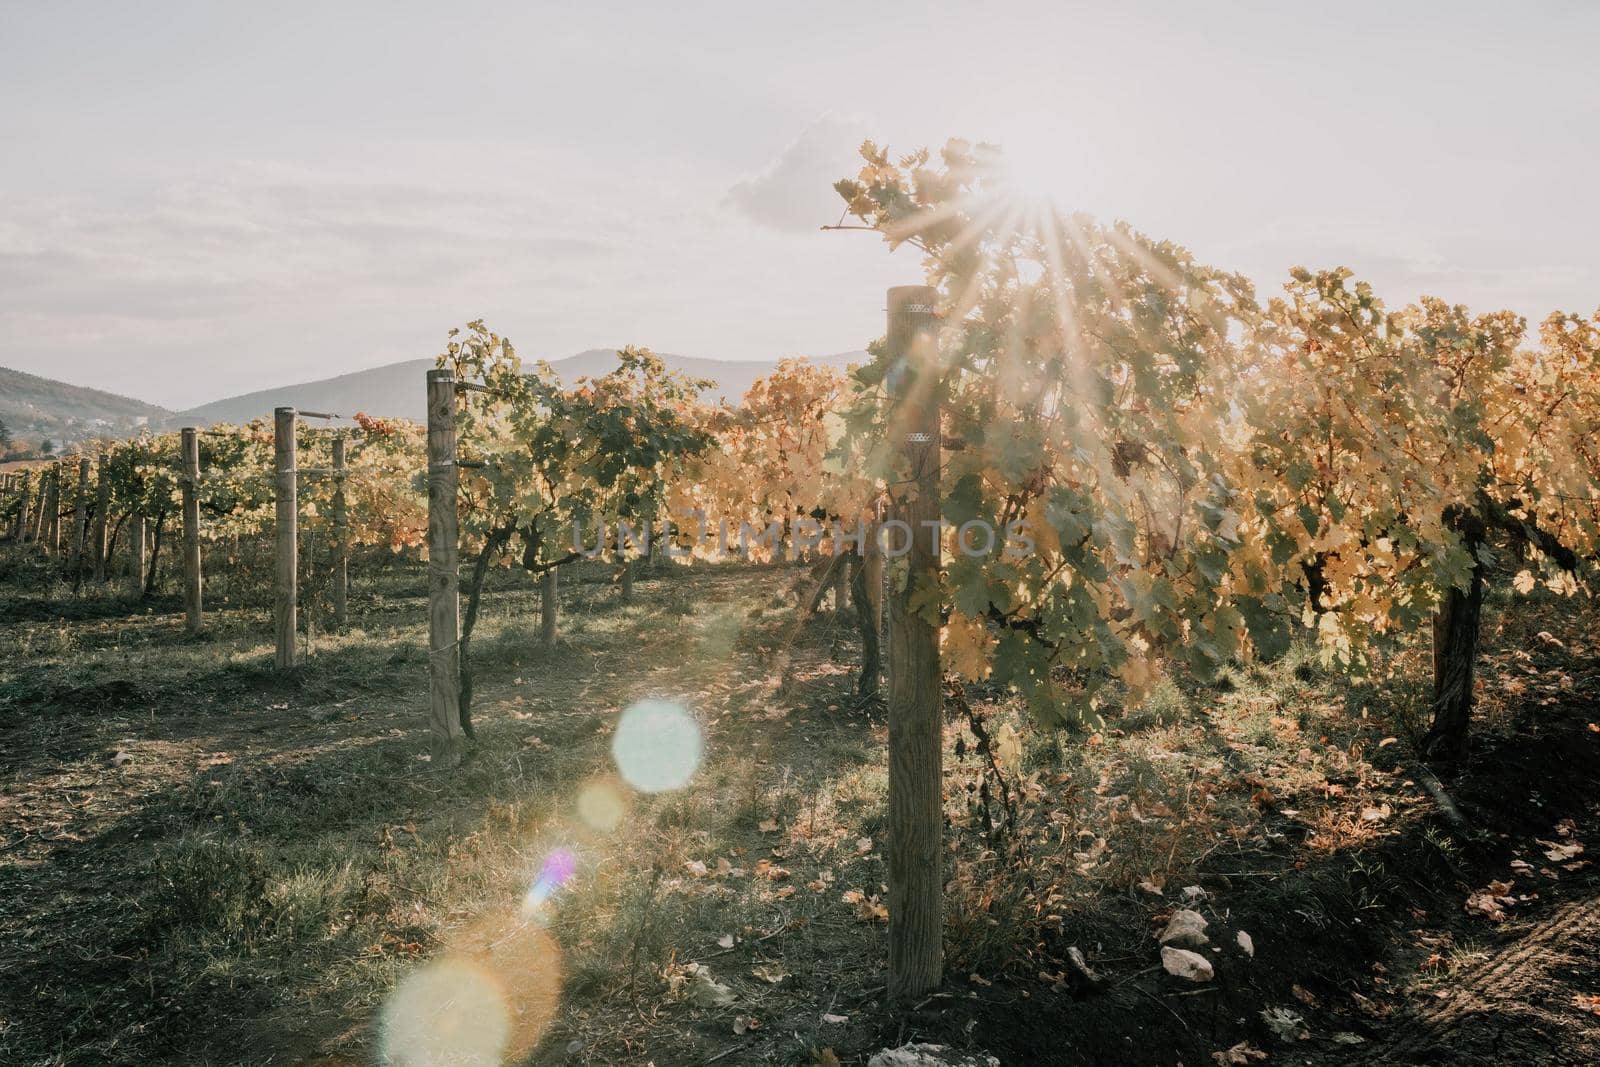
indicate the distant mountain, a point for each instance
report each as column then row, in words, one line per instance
column 36, row 409
column 395, row 390
column 392, row 390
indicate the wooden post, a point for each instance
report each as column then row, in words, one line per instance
column 916, row 718
column 80, row 520
column 444, row 591
column 52, row 517
column 194, row 614
column 136, row 554
column 627, row 581
column 549, row 605
column 286, row 585
column 20, row 531
column 102, row 511
column 341, row 541
column 43, row 505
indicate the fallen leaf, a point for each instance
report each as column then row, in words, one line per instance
column 868, row 909
column 725, row 941
column 770, row 871
column 771, row 973
column 743, row 1024
column 1287, row 1025
column 1243, row 1052
column 1558, row 853
column 1304, row 995
column 1243, row 940
column 1491, row 902
column 706, row 992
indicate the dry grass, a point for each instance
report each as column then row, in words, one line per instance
column 277, row 862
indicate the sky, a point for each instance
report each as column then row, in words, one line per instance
column 203, row 199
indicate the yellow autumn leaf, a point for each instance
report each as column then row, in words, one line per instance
column 965, row 645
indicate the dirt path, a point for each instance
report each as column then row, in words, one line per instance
column 1518, row 1006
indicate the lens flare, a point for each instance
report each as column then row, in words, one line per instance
column 657, row 746
column 601, row 805
column 557, row 870
column 449, row 1013
column 485, row 1003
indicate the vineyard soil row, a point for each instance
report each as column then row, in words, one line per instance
column 206, row 859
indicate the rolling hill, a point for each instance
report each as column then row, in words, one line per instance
column 35, row 409
column 395, row 390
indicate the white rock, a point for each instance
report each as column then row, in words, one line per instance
column 1185, row 964
column 1186, row 927
column 1246, row 943
column 916, row 1055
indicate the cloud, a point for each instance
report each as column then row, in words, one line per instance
column 180, row 288
column 795, row 193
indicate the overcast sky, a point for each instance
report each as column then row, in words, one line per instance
column 202, row 199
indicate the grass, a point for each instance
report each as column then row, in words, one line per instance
column 278, row 865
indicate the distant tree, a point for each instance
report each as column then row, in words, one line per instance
column 47, row 447
column 5, row 437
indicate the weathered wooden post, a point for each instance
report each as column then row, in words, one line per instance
column 21, row 529
column 286, row 586
column 916, row 717
column 80, row 520
column 102, row 511
column 549, row 605
column 52, row 516
column 194, row 613
column 136, row 554
column 444, row 593
column 627, row 581
column 341, row 540
column 42, row 505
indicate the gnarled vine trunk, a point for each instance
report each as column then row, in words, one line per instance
column 1455, row 651
column 493, row 542
column 1455, row 648
column 867, row 621
column 152, row 575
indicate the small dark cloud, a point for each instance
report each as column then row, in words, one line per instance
column 795, row 193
